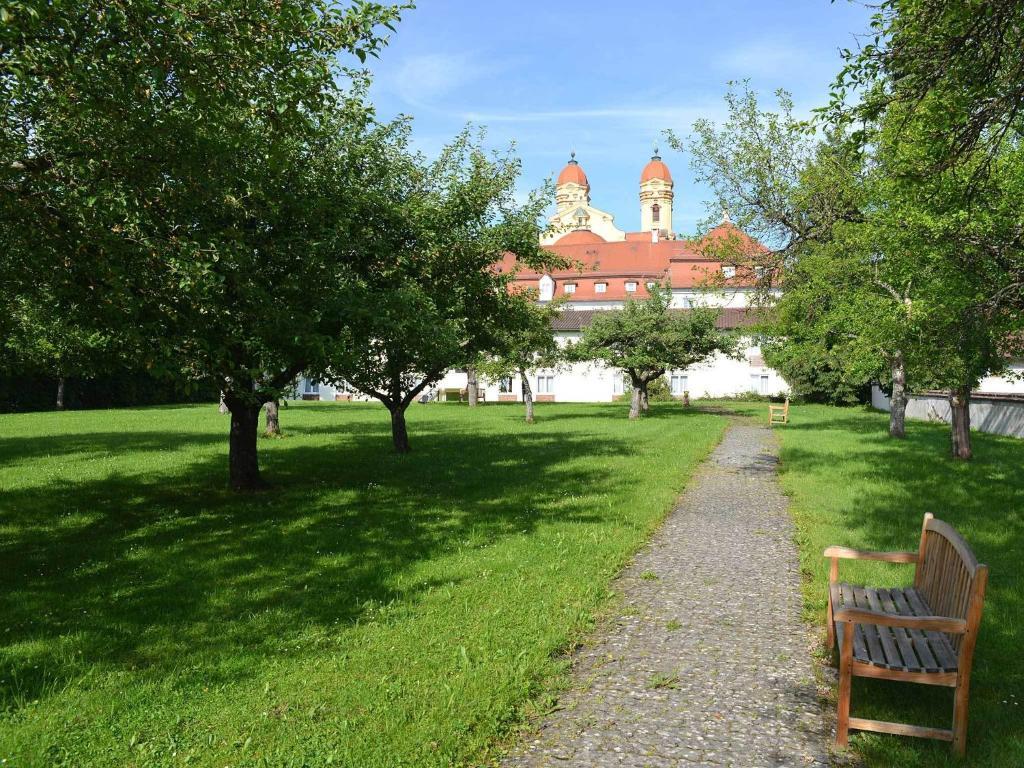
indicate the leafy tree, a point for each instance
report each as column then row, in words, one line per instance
column 45, row 340
column 965, row 56
column 527, row 342
column 438, row 300
column 646, row 338
column 842, row 317
column 197, row 177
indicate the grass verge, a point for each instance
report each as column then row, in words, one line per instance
column 369, row 610
column 851, row 484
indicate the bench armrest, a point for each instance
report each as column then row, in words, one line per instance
column 926, row 623
column 845, row 553
column 860, row 554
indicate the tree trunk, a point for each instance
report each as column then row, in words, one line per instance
column 399, row 433
column 223, row 407
column 273, row 419
column 60, row 393
column 898, row 401
column 243, row 462
column 645, row 403
column 634, row 403
column 472, row 387
column 527, row 395
column 960, row 428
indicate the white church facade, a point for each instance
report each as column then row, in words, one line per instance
column 611, row 266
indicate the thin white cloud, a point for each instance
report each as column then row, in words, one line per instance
column 669, row 116
column 777, row 57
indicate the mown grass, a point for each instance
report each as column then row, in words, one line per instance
column 851, row 484
column 369, row 610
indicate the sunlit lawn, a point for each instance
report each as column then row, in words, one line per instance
column 851, row 484
column 370, row 610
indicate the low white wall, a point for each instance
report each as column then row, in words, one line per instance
column 998, row 414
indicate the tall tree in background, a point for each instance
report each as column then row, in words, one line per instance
column 938, row 94
column 645, row 339
column 196, row 177
column 49, row 340
column 527, row 343
column 437, row 298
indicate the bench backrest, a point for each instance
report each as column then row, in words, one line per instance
column 949, row 576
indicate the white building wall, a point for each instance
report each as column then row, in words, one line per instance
column 1000, row 415
column 1010, row 384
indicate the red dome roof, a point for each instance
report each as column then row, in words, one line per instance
column 580, row 237
column 655, row 169
column 573, row 174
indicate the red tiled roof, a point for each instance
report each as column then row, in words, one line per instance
column 615, row 263
column 580, row 237
column 578, row 319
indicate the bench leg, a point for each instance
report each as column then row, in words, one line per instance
column 845, row 684
column 960, row 697
column 830, row 624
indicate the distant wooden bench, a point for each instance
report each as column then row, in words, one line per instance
column 778, row 414
column 921, row 634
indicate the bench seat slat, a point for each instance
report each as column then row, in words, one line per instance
column 939, row 642
column 894, row 648
column 892, row 655
column 924, row 653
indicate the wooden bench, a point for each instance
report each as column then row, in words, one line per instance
column 921, row 634
column 778, row 414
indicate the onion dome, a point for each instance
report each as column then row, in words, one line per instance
column 573, row 174
column 655, row 169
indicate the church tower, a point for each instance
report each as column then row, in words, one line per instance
column 572, row 190
column 656, row 197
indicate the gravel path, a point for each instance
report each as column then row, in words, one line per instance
column 708, row 662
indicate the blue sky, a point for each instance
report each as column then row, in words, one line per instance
column 604, row 77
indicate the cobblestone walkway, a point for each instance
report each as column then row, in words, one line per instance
column 708, row 662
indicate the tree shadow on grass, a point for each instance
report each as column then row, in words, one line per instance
column 19, row 449
column 146, row 572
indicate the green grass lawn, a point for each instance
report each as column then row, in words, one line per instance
column 851, row 484
column 370, row 610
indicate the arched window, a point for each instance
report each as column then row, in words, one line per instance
column 656, row 213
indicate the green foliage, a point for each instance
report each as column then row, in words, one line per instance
column 645, row 339
column 658, row 391
column 888, row 269
column 376, row 616
column 195, row 182
column 966, row 56
column 435, row 301
column 814, row 372
column 526, row 340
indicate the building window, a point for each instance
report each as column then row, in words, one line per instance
column 600, row 287
column 655, row 213
column 621, row 385
column 761, row 272
column 570, row 287
column 546, row 288
column 686, row 303
column 679, row 383
column 728, row 272
column 759, row 383
column 545, row 384
column 505, row 384
column 650, row 285
column 312, row 387
column 631, row 287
